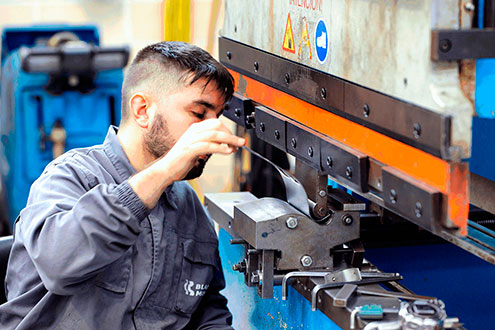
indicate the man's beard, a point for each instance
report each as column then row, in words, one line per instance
column 157, row 141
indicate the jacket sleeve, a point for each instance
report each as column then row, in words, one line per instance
column 212, row 313
column 71, row 230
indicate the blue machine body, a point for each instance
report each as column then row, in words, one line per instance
column 27, row 107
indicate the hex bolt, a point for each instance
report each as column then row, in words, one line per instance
column 229, row 55
column 417, row 130
column 393, row 196
column 277, row 134
column 287, row 78
column 329, row 161
column 237, row 112
column 347, row 219
column 366, row 110
column 262, row 126
column 256, row 66
column 323, row 93
column 293, row 143
column 250, row 121
column 291, row 223
column 348, row 172
column 322, row 193
column 310, row 151
column 418, row 210
column 445, row 45
column 306, row 261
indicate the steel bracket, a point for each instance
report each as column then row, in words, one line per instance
column 448, row 45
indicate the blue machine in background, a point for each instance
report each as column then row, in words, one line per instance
column 59, row 91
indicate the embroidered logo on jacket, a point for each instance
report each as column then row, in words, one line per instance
column 195, row 289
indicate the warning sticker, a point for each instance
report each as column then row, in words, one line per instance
column 304, row 39
column 289, row 37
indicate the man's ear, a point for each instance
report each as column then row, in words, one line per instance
column 139, row 106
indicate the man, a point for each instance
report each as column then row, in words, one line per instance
column 110, row 237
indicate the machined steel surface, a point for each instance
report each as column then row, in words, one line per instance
column 262, row 223
column 370, row 43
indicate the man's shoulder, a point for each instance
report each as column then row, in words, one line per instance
column 86, row 161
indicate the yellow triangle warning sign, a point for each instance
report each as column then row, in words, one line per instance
column 289, row 37
column 305, row 39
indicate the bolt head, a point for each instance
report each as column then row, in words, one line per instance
column 310, row 151
column 291, row 223
column 323, row 93
column 329, row 161
column 229, row 55
column 306, row 261
column 417, row 130
column 418, row 210
column 469, row 6
column 262, row 126
column 293, row 143
column 366, row 110
column 393, row 196
column 347, row 219
column 256, row 66
column 348, row 172
column 237, row 112
column 445, row 45
column 277, row 134
column 287, row 78
column 322, row 193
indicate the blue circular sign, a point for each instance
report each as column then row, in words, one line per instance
column 321, row 41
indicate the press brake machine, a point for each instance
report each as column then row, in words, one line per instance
column 375, row 101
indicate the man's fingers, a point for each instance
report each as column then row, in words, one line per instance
column 221, row 137
column 202, row 148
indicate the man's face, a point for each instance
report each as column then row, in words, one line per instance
column 176, row 112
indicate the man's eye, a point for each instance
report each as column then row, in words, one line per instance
column 199, row 115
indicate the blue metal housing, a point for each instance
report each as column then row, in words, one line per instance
column 27, row 106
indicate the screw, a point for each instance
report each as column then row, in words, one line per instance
column 306, row 261
column 277, row 134
column 329, row 161
column 348, row 172
column 256, row 66
column 291, row 223
column 322, row 193
column 237, row 112
column 347, row 219
column 323, row 93
column 445, row 45
column 418, row 210
column 366, row 110
column 310, row 151
column 469, row 6
column 417, row 130
column 229, row 55
column 287, row 78
column 393, row 196
column 293, row 143
column 262, row 126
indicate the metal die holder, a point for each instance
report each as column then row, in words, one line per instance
column 268, row 224
column 447, row 45
column 303, row 144
column 270, row 127
column 315, row 149
column 240, row 110
column 414, row 200
column 344, row 163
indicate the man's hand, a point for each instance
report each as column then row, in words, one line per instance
column 198, row 141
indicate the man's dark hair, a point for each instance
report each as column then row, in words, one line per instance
column 168, row 64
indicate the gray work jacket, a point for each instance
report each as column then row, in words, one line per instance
column 88, row 254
